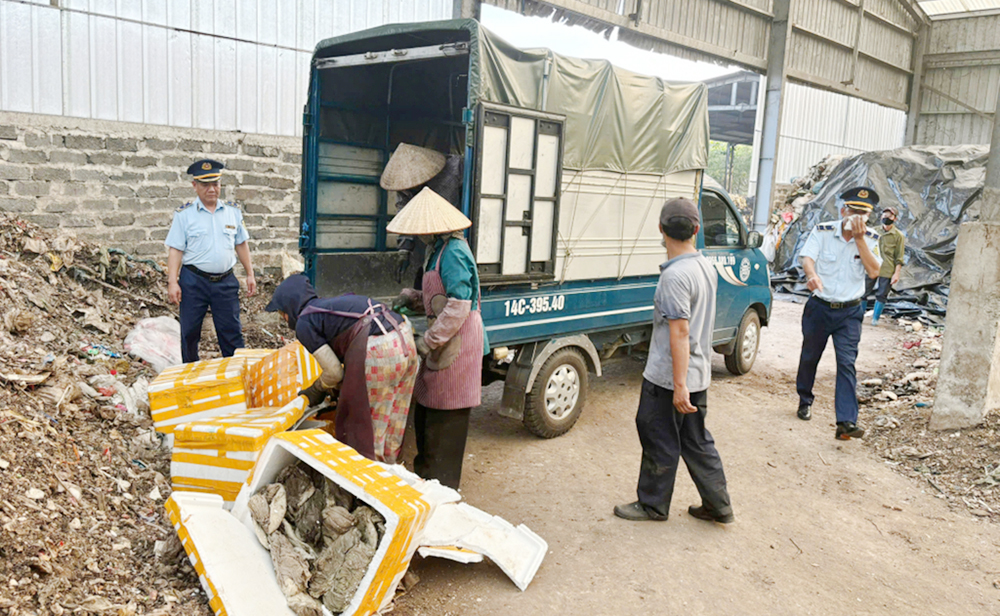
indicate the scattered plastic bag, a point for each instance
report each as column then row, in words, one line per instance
column 157, row 341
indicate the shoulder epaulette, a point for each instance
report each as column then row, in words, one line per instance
column 185, row 206
column 232, row 204
column 826, row 226
column 871, row 234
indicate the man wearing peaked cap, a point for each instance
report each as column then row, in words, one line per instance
column 837, row 259
column 206, row 238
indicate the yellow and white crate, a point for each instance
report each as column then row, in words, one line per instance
column 217, row 455
column 252, row 356
column 236, row 571
column 198, row 390
column 277, row 379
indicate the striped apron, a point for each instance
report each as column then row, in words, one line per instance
column 460, row 384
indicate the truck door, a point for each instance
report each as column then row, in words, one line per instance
column 516, row 203
column 724, row 245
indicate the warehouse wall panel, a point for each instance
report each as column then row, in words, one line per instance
column 961, row 81
column 212, row 64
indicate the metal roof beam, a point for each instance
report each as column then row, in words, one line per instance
column 850, row 48
column 985, row 57
column 622, row 21
column 827, row 84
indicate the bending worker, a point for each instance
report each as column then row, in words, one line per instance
column 206, row 238
column 837, row 257
column 449, row 383
column 366, row 352
column 410, row 169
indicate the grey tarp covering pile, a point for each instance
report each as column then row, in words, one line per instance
column 616, row 120
column 935, row 189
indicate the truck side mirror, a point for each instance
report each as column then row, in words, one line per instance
column 755, row 239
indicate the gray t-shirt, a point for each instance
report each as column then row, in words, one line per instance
column 686, row 291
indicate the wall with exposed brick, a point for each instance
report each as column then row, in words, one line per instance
column 118, row 183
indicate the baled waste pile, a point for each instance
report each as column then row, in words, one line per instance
column 321, row 539
column 935, row 189
column 83, row 477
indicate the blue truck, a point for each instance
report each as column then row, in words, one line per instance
column 566, row 165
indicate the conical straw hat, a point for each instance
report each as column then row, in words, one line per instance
column 410, row 166
column 428, row 214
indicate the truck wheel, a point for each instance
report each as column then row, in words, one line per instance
column 558, row 394
column 747, row 340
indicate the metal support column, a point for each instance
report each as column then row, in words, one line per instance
column 993, row 163
column 772, row 114
column 467, row 9
column 916, row 87
column 728, row 179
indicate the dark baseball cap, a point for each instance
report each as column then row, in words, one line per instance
column 679, row 208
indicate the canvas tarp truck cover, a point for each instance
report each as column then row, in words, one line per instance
column 616, row 120
column 935, row 189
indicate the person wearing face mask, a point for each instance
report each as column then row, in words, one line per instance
column 410, row 169
column 837, row 258
column 206, row 238
column 449, row 382
column 892, row 245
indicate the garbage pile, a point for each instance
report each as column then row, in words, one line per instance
column 935, row 190
column 321, row 539
column 83, row 476
column 960, row 467
column 802, row 190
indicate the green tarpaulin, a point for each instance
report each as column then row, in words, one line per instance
column 616, row 120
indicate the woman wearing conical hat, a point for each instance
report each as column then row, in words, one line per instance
column 449, row 382
column 409, row 170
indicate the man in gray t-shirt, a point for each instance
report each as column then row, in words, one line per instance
column 674, row 398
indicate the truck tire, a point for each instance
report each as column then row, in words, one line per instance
column 747, row 340
column 558, row 394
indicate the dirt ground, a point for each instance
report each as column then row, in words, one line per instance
column 823, row 527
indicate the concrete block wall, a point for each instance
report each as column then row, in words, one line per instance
column 118, row 183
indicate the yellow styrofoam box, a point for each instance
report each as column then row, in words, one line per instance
column 217, row 455
column 277, row 379
column 405, row 509
column 252, row 356
column 198, row 390
column 236, row 571
column 233, row 567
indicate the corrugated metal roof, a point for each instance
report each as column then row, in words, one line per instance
column 934, row 8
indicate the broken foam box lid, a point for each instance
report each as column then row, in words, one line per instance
column 237, row 572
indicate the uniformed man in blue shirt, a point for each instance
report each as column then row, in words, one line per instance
column 837, row 257
column 205, row 239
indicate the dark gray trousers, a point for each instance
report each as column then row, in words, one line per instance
column 666, row 437
column 440, row 437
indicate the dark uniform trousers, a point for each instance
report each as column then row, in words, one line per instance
column 440, row 436
column 666, row 437
column 198, row 294
column 820, row 323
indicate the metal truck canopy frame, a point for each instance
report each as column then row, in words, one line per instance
column 616, row 120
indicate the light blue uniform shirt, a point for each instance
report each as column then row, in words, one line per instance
column 838, row 263
column 208, row 240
